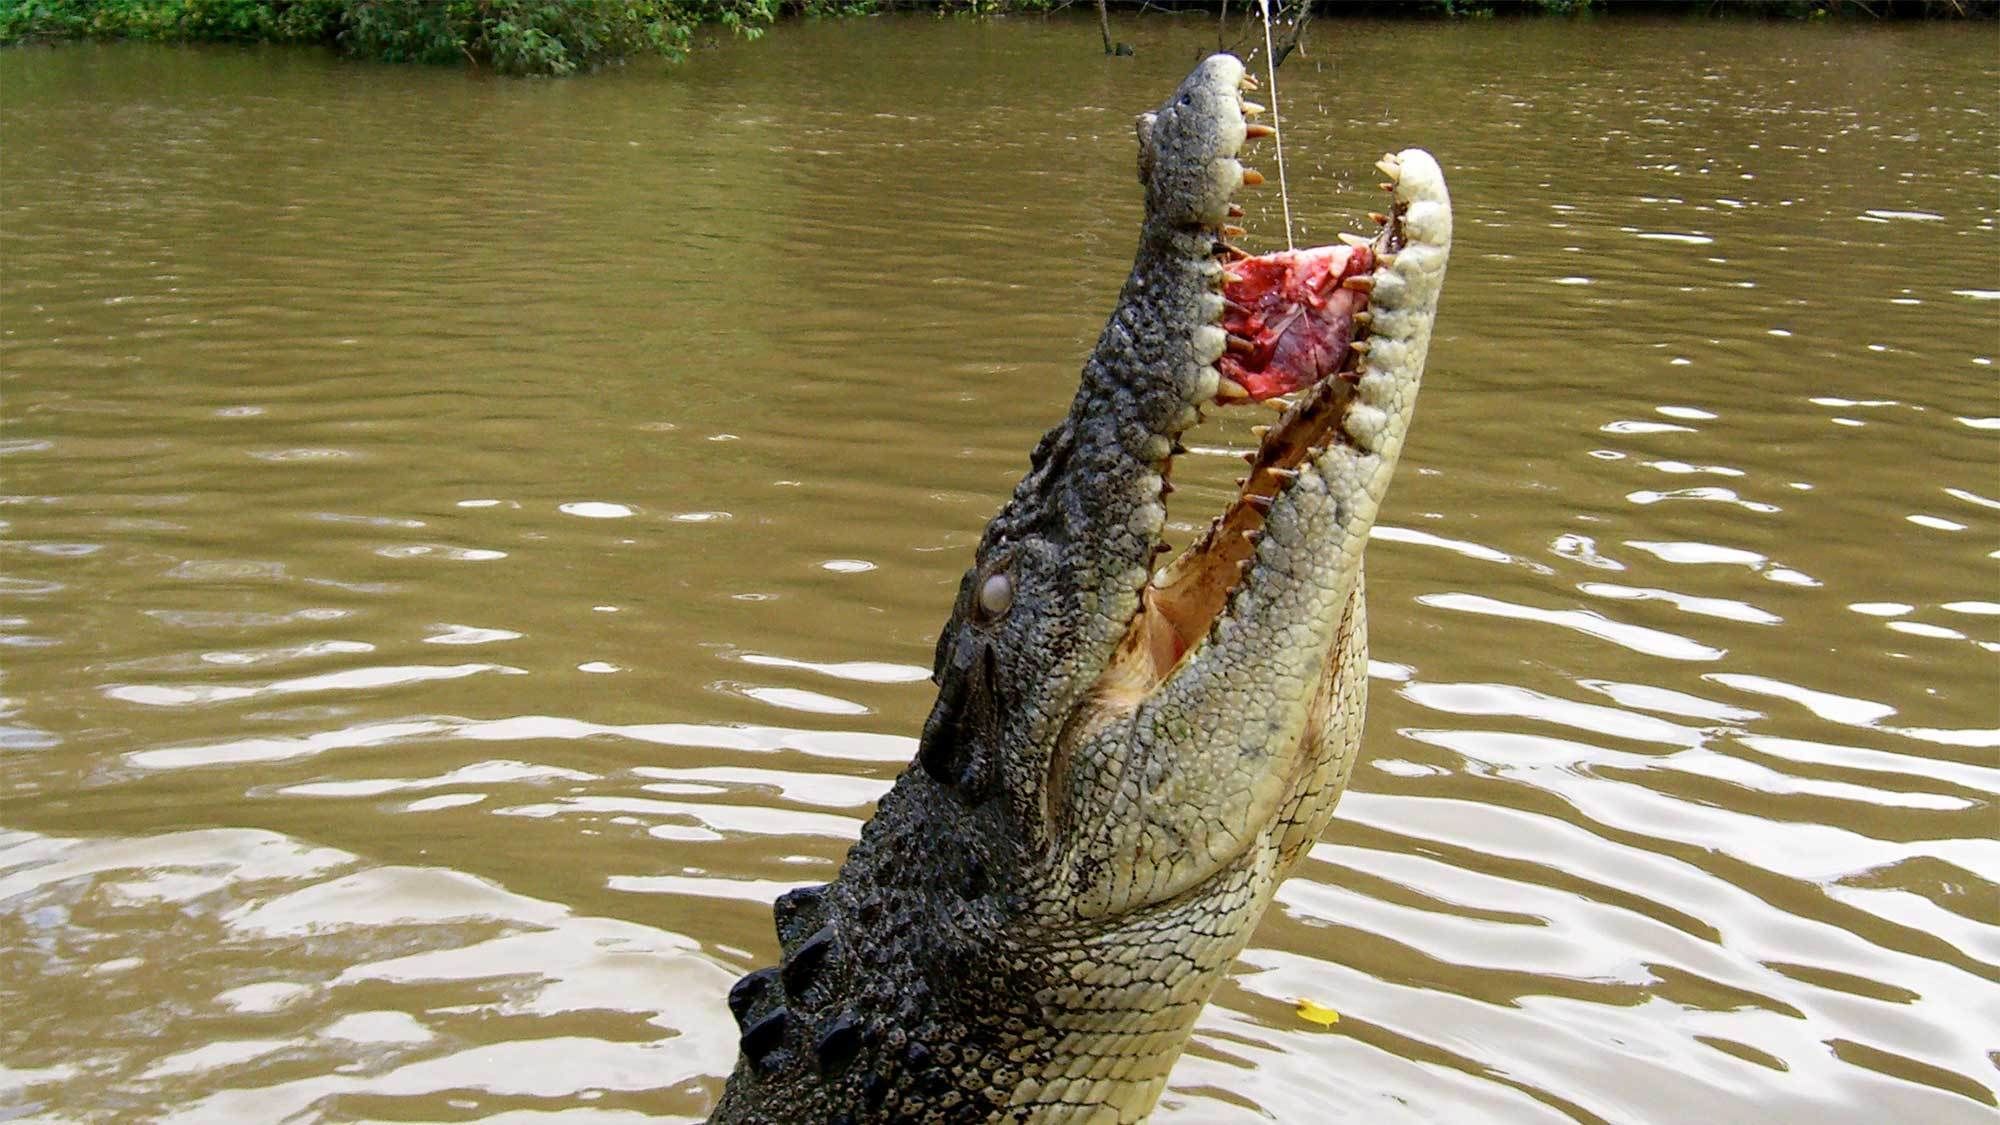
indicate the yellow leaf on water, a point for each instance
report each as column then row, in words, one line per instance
column 1318, row 1013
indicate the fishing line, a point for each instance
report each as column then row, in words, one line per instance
column 1271, row 68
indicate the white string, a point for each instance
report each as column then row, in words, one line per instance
column 1271, row 68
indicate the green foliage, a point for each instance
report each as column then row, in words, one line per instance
column 537, row 36
column 817, row 8
column 510, row 36
column 275, row 21
column 1486, row 9
column 567, row 36
column 404, row 31
column 820, row 9
column 246, row 21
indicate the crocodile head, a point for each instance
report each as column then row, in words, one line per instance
column 1122, row 762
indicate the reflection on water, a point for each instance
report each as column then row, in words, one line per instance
column 468, row 545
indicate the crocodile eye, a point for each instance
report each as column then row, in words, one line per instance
column 996, row 594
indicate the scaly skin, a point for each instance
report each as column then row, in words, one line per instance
column 1121, row 767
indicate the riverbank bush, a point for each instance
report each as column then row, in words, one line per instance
column 550, row 37
column 1789, row 9
column 555, row 37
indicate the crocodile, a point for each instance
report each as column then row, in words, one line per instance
column 1122, row 762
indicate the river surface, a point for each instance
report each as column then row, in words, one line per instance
column 469, row 544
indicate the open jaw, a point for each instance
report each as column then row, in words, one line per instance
column 1299, row 330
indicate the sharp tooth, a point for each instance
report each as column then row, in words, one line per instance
column 1235, row 307
column 1286, row 475
column 1166, row 488
column 1353, row 240
column 1178, row 448
column 1230, row 277
column 1261, row 503
column 1235, row 211
column 1161, row 548
column 1390, row 166
column 1250, row 455
column 1233, row 232
column 1358, row 346
column 1252, row 109
column 1229, row 390
column 1364, row 318
column 1278, row 404
column 1240, row 345
column 1360, row 283
column 1258, row 132
column 1249, row 81
column 1381, row 220
column 1253, row 536
column 1385, row 186
column 1385, row 261
column 1252, row 177
column 1258, row 432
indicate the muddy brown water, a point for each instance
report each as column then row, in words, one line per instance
column 469, row 544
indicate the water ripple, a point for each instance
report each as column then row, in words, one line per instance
column 1651, row 642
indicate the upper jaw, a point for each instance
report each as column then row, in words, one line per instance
column 1078, row 537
